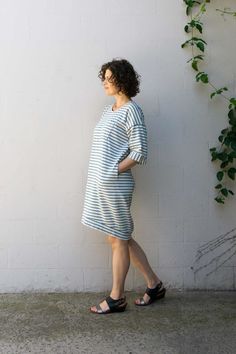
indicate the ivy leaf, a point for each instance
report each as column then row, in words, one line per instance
column 186, row 28
column 196, row 39
column 203, row 8
column 194, row 65
column 200, row 56
column 219, row 200
column 227, row 141
column 233, row 101
column 220, row 175
column 213, row 94
column 204, row 78
column 224, row 164
column 222, row 156
column 231, row 173
column 219, row 91
column 190, row 4
column 218, row 186
column 232, row 154
column 184, row 44
column 214, row 156
column 232, row 116
column 224, row 191
column 188, row 8
column 200, row 46
column 199, row 27
column 230, row 192
column 233, row 145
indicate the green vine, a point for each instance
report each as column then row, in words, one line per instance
column 226, row 152
column 226, row 11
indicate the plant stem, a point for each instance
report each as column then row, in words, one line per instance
column 216, row 90
column 227, row 12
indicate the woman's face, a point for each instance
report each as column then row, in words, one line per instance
column 110, row 88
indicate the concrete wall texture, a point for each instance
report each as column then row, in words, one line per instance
column 50, row 101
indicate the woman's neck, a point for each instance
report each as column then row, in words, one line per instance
column 120, row 101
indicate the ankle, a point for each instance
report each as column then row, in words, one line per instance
column 115, row 295
column 153, row 282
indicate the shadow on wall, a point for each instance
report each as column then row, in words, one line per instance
column 213, row 254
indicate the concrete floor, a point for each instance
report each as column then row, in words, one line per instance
column 184, row 323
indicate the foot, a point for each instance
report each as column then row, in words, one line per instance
column 110, row 305
column 103, row 305
column 152, row 294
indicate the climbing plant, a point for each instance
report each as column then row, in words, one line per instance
column 225, row 153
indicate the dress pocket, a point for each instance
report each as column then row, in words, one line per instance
column 110, row 175
column 117, row 169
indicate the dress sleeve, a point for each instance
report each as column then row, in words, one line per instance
column 137, row 135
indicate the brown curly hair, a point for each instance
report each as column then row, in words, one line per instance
column 123, row 76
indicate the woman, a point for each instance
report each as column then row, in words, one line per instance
column 119, row 143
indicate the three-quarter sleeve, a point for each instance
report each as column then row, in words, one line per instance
column 137, row 135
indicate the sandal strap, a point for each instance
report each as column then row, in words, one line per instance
column 99, row 309
column 142, row 302
column 154, row 291
column 114, row 303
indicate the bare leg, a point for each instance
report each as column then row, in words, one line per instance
column 140, row 261
column 120, row 267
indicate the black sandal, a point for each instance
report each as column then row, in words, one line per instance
column 118, row 305
column 155, row 294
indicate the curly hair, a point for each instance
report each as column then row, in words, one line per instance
column 123, row 76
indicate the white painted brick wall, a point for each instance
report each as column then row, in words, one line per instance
column 50, row 101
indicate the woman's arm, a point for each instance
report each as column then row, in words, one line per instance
column 126, row 164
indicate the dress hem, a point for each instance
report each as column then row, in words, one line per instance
column 106, row 230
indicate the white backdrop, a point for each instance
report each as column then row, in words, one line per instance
column 50, row 101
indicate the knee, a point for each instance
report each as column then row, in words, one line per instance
column 110, row 239
column 116, row 242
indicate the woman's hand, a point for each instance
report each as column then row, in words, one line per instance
column 126, row 164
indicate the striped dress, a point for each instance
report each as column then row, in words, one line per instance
column 108, row 194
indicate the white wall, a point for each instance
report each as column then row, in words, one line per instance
column 50, row 100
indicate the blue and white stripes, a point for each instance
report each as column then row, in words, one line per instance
column 108, row 196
